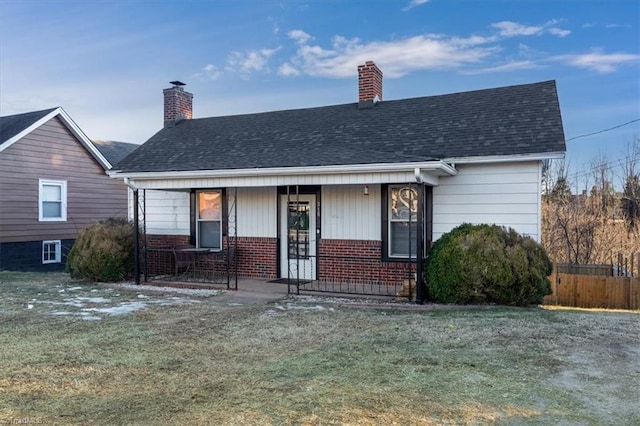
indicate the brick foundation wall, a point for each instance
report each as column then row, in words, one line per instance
column 359, row 261
column 354, row 261
column 162, row 263
column 256, row 257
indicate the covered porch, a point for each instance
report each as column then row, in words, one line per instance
column 364, row 232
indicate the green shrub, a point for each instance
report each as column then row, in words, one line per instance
column 487, row 264
column 103, row 252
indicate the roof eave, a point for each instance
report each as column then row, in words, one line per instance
column 506, row 158
column 440, row 168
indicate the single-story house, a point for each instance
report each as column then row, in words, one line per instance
column 53, row 183
column 350, row 193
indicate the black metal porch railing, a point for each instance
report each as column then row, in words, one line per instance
column 354, row 275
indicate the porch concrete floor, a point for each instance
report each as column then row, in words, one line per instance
column 257, row 291
column 250, row 291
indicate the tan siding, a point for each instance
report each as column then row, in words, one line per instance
column 52, row 152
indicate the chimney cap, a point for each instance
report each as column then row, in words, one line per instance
column 177, row 83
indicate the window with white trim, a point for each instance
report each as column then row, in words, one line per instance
column 51, row 251
column 403, row 216
column 209, row 219
column 52, row 200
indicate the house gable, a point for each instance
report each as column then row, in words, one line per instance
column 17, row 127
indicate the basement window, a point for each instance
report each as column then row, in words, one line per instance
column 51, row 251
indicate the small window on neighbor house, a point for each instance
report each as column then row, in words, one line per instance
column 403, row 216
column 52, row 201
column 209, row 219
column 51, row 251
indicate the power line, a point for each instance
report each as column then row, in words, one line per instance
column 603, row 131
column 620, row 162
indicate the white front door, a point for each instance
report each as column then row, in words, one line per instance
column 298, row 237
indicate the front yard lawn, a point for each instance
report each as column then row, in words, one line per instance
column 73, row 353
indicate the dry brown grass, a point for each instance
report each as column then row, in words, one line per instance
column 306, row 362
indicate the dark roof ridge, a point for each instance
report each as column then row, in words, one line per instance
column 386, row 101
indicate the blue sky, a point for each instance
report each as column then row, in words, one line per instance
column 106, row 62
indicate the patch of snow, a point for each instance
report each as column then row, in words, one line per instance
column 90, row 318
column 190, row 291
column 79, row 302
column 29, row 306
column 123, row 308
column 142, row 296
column 74, row 288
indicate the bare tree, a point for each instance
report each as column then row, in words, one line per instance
column 630, row 201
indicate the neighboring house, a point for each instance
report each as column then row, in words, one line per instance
column 53, row 183
column 346, row 192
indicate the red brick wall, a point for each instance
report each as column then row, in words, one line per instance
column 355, row 261
column 256, row 257
column 360, row 262
column 162, row 263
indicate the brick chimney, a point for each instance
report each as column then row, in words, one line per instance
column 178, row 104
column 369, row 85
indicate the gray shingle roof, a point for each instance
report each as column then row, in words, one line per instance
column 11, row 125
column 114, row 151
column 509, row 121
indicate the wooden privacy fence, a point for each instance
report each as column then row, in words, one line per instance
column 588, row 291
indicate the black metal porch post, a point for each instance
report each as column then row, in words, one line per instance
column 420, row 287
column 136, row 225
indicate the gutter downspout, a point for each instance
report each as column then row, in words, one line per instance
column 136, row 225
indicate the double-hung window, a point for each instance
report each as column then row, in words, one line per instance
column 52, row 204
column 402, row 223
column 209, row 219
column 51, row 251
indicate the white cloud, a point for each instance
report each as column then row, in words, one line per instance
column 251, row 60
column 414, row 3
column 512, row 29
column 598, row 61
column 288, row 70
column 212, row 72
column 299, row 36
column 559, row 32
column 508, row 67
column 396, row 58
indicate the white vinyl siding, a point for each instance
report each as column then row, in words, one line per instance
column 51, row 251
column 52, row 200
column 506, row 194
column 256, row 210
column 167, row 212
column 348, row 214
